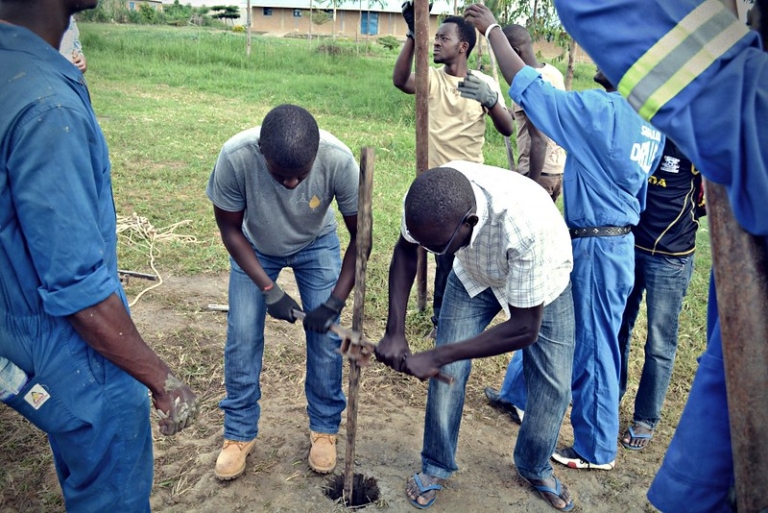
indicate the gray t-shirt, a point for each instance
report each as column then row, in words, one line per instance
column 279, row 221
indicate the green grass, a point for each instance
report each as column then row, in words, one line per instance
column 168, row 98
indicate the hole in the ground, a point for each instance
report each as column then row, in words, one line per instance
column 364, row 491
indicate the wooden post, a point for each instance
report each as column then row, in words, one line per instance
column 364, row 241
column 741, row 279
column 421, row 26
column 248, row 29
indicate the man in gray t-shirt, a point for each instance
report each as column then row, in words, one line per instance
column 272, row 189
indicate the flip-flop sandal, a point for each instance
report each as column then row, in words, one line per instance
column 422, row 490
column 557, row 491
column 632, row 437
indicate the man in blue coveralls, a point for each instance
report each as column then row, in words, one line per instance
column 610, row 154
column 75, row 365
column 725, row 89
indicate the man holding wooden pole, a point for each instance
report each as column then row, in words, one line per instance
column 456, row 121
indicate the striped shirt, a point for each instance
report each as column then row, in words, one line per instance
column 520, row 248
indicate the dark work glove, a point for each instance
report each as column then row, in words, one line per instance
column 477, row 89
column 279, row 304
column 321, row 318
column 408, row 15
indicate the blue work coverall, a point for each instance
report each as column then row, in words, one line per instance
column 717, row 116
column 57, row 257
column 611, row 151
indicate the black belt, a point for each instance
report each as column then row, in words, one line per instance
column 599, row 231
column 546, row 174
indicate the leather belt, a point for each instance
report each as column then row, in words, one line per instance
column 546, row 174
column 599, row 231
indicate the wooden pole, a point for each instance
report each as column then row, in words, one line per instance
column 421, row 26
column 740, row 262
column 248, row 29
column 364, row 241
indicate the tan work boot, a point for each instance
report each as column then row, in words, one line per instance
column 231, row 461
column 322, row 454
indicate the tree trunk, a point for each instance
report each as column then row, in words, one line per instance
column 334, row 21
column 572, row 49
column 248, row 29
column 309, row 39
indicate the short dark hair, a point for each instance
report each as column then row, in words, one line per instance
column 289, row 137
column 517, row 35
column 438, row 197
column 466, row 31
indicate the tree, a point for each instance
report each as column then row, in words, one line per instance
column 226, row 12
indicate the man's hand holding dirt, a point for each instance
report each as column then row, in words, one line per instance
column 177, row 406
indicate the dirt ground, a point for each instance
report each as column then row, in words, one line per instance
column 175, row 321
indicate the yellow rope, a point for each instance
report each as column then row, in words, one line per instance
column 137, row 230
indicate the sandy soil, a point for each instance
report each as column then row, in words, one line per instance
column 175, row 321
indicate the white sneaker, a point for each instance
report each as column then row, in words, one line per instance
column 571, row 459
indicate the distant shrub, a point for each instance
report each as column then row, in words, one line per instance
column 389, row 42
column 238, row 28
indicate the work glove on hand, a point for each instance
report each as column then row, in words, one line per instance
column 408, row 15
column 279, row 304
column 321, row 318
column 479, row 90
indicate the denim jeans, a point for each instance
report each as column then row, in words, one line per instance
column 665, row 280
column 443, row 266
column 547, row 374
column 316, row 269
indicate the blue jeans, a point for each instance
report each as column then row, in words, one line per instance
column 316, row 269
column 96, row 415
column 700, row 486
column 665, row 280
column 547, row 374
column 443, row 266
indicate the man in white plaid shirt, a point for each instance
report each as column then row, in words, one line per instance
column 513, row 253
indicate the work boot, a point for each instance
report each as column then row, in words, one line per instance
column 231, row 461
column 322, row 454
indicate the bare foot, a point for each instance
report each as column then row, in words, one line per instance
column 422, row 488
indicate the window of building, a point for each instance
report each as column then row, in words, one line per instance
column 267, row 11
column 369, row 23
column 297, row 13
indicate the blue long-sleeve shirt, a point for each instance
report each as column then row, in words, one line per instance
column 611, row 150
column 710, row 94
column 57, row 217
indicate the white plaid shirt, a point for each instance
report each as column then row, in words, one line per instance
column 520, row 247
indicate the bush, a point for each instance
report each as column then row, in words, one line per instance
column 238, row 28
column 389, row 42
